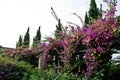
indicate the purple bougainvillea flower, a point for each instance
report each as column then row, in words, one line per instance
column 86, row 40
column 28, row 52
column 99, row 49
column 71, row 36
column 65, row 42
column 49, row 46
column 13, row 65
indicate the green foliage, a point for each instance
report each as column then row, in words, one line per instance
column 1, row 52
column 77, row 54
column 58, row 29
column 20, row 70
column 52, row 75
column 34, row 42
column 117, row 42
column 93, row 11
column 31, row 59
column 26, row 40
column 100, row 11
column 10, row 70
column 118, row 30
column 37, row 38
column 19, row 43
column 114, row 71
column 86, row 19
column 117, row 18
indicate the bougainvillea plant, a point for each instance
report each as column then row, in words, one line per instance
column 91, row 47
column 83, row 51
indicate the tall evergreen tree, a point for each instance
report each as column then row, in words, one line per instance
column 34, row 42
column 58, row 29
column 26, row 40
column 100, row 11
column 38, row 35
column 19, row 43
column 93, row 11
column 37, row 38
column 86, row 19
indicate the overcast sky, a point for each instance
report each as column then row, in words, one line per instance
column 17, row 15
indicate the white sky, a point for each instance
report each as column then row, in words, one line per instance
column 17, row 15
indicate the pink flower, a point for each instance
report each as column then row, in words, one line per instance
column 49, row 46
column 71, row 36
column 99, row 49
column 86, row 40
column 65, row 42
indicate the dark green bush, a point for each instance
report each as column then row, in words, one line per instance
column 10, row 70
column 20, row 70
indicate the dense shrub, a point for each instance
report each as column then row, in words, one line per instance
column 77, row 53
column 85, row 51
column 10, row 70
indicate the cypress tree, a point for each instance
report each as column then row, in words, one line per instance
column 100, row 11
column 26, row 40
column 93, row 11
column 58, row 29
column 86, row 19
column 34, row 43
column 38, row 35
column 37, row 38
column 1, row 50
column 19, row 43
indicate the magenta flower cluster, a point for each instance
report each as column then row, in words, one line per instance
column 97, row 39
column 90, row 44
